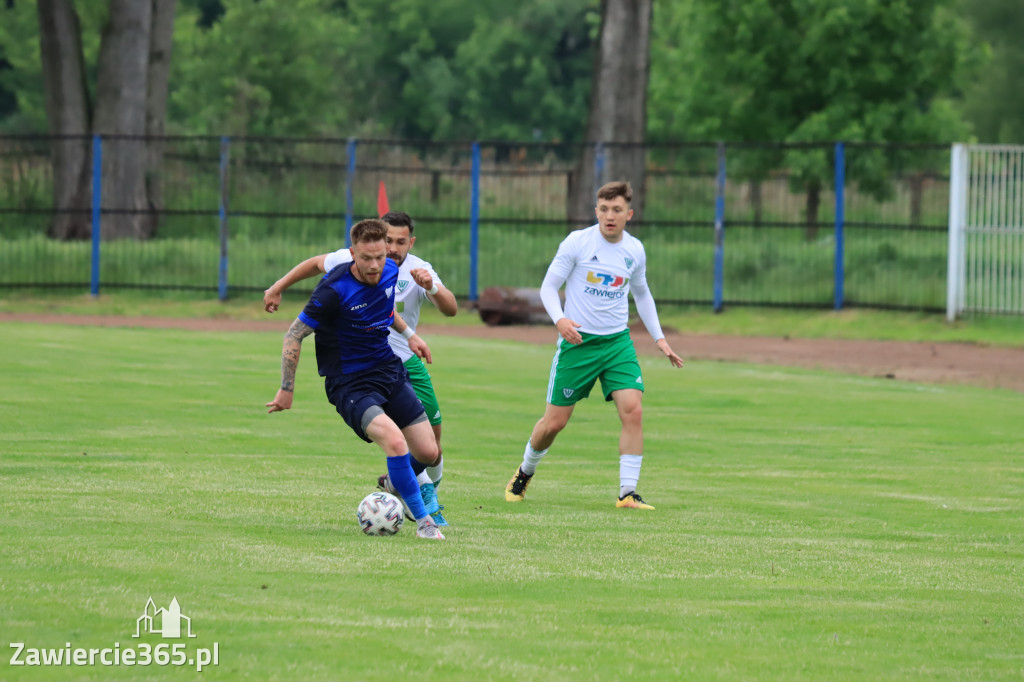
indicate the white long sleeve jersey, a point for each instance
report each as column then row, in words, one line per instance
column 598, row 277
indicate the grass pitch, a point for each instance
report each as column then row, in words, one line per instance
column 809, row 526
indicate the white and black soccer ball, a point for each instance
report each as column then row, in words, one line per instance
column 380, row 514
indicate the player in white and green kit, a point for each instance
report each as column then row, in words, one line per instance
column 599, row 266
column 417, row 283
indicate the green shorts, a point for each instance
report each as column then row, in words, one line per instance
column 420, row 380
column 574, row 369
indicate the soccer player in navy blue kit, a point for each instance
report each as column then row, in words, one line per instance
column 350, row 312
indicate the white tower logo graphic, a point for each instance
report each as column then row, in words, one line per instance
column 163, row 622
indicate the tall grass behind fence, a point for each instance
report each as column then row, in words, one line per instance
column 524, row 193
column 26, row 185
column 678, row 225
column 897, row 231
column 286, row 199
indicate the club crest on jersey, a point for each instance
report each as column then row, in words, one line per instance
column 614, row 281
column 389, row 291
column 402, row 285
column 629, row 262
column 567, row 392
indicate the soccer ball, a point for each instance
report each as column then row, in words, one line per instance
column 380, row 514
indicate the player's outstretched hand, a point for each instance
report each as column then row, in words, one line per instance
column 271, row 300
column 419, row 347
column 662, row 345
column 282, row 401
column 567, row 328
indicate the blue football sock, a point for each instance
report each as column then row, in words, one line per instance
column 404, row 480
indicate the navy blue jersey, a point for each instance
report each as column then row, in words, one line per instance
column 351, row 320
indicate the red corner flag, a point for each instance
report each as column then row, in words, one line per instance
column 382, row 200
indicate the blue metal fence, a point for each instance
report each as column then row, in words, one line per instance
column 840, row 186
column 237, row 213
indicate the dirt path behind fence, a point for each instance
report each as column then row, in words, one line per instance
column 926, row 362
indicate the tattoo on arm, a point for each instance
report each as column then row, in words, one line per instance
column 290, row 351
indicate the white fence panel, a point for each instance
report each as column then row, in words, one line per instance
column 986, row 230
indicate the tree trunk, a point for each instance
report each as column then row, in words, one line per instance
column 67, row 114
column 618, row 107
column 158, row 75
column 121, row 111
column 813, row 204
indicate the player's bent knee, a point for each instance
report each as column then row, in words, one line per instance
column 422, row 442
column 428, row 456
column 394, row 443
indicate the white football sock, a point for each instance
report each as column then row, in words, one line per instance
column 531, row 458
column 629, row 473
column 422, row 478
column 436, row 472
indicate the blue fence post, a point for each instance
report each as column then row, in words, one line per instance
column 350, row 178
column 840, row 274
column 222, row 272
column 474, row 223
column 719, row 230
column 97, row 197
column 598, row 166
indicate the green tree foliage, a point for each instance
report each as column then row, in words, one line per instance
column 22, row 104
column 790, row 70
column 19, row 46
column 803, row 71
column 528, row 76
column 273, row 67
column 675, row 62
column 490, row 69
column 994, row 102
column 449, row 69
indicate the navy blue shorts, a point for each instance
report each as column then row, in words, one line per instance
column 385, row 387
